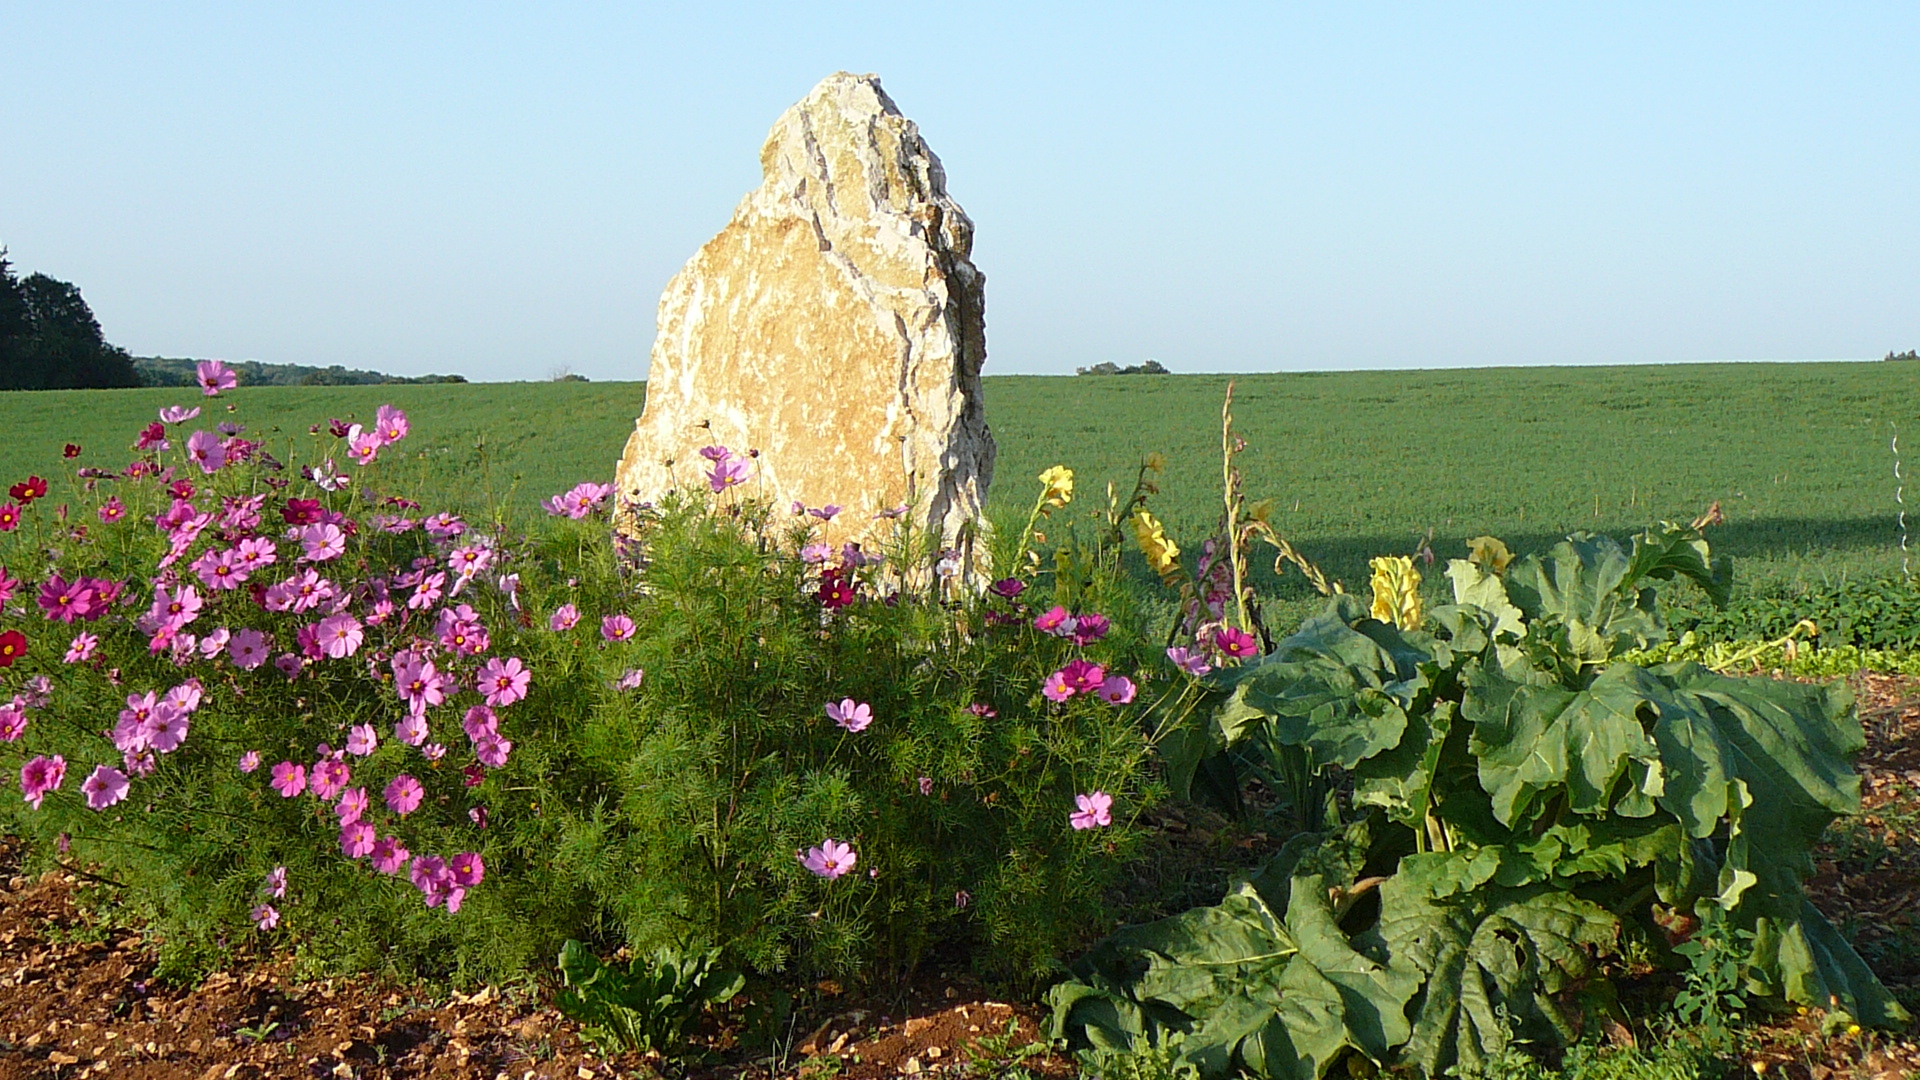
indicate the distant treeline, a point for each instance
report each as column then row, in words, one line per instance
column 175, row 371
column 1908, row 355
column 49, row 339
column 1151, row 367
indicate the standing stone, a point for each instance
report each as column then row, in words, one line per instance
column 836, row 326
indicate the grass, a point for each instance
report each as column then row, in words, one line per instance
column 1359, row 463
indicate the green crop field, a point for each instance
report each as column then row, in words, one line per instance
column 1360, row 463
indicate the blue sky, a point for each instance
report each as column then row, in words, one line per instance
column 503, row 190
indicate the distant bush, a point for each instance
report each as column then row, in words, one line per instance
column 1151, row 367
column 49, row 339
column 1876, row 613
column 1910, row 354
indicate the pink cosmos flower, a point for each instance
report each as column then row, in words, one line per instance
column 730, row 472
column 411, row 729
column 1090, row 628
column 112, row 510
column 617, row 628
column 1083, row 676
column 249, row 761
column 185, row 697
column 852, row 715
column 1191, row 661
column 322, row 542
column 13, row 721
column 1236, row 644
column 492, row 750
column 249, row 649
column 389, row 855
column 140, row 764
column 433, row 751
column 289, row 779
column 178, row 414
column 470, row 560
column 1117, row 690
column 404, row 794
column 815, row 554
column 42, row 776
column 361, row 740
column 444, row 526
column 277, row 882
column 215, row 643
column 478, row 815
column 39, row 692
column 254, row 553
column 1095, row 811
column 205, row 450
column 631, row 680
column 1010, row 587
column 353, row 805
column 926, row 785
column 1056, row 622
column 340, row 635
column 82, row 648
column 165, row 730
column 215, row 376
column 479, row 721
column 504, row 682
column 266, row 916
column 428, row 592
column 364, row 449
column 564, row 619
column 418, row 684
column 831, row 859
column 330, row 777
column 357, row 838
column 1055, row 688
column 390, row 424
column 290, row 665
column 468, row 869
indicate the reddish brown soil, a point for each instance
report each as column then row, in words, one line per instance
column 79, row 999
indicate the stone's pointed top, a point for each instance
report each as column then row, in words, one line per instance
column 836, row 325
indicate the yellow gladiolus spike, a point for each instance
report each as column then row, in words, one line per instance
column 1161, row 552
column 1396, row 592
column 1059, row 481
column 1489, row 552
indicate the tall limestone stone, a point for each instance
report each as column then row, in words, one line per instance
column 836, row 326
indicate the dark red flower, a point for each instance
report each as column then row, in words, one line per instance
column 1010, row 587
column 836, row 589
column 181, row 489
column 338, row 428
column 302, row 512
column 13, row 646
column 28, row 490
column 9, row 517
column 72, row 450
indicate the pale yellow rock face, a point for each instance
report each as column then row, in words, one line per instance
column 836, row 326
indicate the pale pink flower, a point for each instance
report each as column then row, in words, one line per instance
column 411, row 730
column 142, row 763
column 564, row 619
column 617, row 628
column 831, row 859
column 215, row 376
column 185, row 697
column 215, row 643
column 852, row 715
column 729, row 472
column 249, row 649
column 104, row 786
column 364, row 449
column 361, row 740
column 206, row 451
column 340, row 635
column 82, row 648
column 176, row 414
column 1095, row 811
column 266, row 916
column 249, row 761
column 323, row 542
column 631, row 680
column 330, row 777
column 352, row 805
column 277, row 882
column 433, row 751
column 1055, row 688
column 815, row 554
column 1117, row 690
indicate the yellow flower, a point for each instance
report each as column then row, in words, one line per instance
column 1489, row 552
column 1396, row 592
column 1161, row 552
column 1059, row 481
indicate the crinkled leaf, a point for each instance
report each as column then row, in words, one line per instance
column 1475, row 585
column 1339, row 691
column 1249, row 991
column 1489, row 962
column 1535, row 741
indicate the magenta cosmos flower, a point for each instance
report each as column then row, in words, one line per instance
column 831, row 859
column 404, row 795
column 41, row 776
column 266, row 916
column 1117, row 690
column 289, row 779
column 468, row 869
column 104, row 786
column 340, row 635
column 617, row 628
column 357, row 839
column 390, row 424
column 1095, row 811
column 1055, row 621
column 503, row 682
column 205, row 450
column 1236, row 644
column 352, row 806
column 82, row 648
column 13, row 721
column 215, row 376
column 1083, row 676
column 729, row 472
column 852, row 715
column 389, row 855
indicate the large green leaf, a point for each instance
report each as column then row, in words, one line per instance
column 1249, row 991
column 1535, row 741
column 1489, row 959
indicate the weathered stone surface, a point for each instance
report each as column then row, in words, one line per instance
column 836, row 326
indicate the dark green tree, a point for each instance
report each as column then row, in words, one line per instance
column 50, row 340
